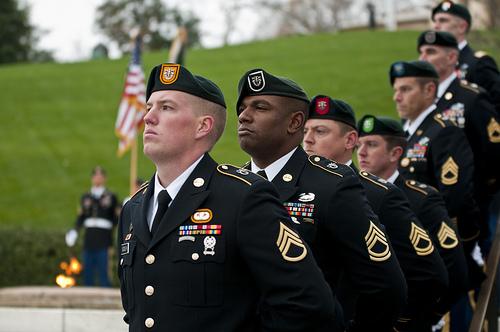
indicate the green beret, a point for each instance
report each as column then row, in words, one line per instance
column 412, row 69
column 324, row 107
column 454, row 9
column 259, row 82
column 438, row 38
column 372, row 125
column 170, row 76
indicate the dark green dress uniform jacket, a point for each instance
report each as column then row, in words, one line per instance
column 479, row 68
column 224, row 258
column 470, row 108
column 98, row 236
column 439, row 154
column 327, row 202
column 423, row 267
column 430, row 209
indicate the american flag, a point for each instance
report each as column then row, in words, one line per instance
column 133, row 103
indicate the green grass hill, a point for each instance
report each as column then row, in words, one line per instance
column 57, row 120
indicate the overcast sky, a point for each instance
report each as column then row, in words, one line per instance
column 71, row 33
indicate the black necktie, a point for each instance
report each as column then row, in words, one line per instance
column 163, row 201
column 262, row 173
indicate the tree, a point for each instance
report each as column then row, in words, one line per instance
column 157, row 23
column 16, row 34
column 18, row 38
column 307, row 16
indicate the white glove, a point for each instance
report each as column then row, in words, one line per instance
column 71, row 237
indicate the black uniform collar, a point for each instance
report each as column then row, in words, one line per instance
column 191, row 195
column 287, row 178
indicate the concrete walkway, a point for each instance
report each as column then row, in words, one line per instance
column 53, row 309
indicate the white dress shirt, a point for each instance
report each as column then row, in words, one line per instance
column 273, row 169
column 172, row 189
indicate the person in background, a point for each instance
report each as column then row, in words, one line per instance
column 381, row 144
column 474, row 66
column 97, row 215
column 330, row 132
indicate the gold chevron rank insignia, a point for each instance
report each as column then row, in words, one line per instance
column 377, row 245
column 494, row 131
column 449, row 172
column 420, row 240
column 447, row 237
column 290, row 245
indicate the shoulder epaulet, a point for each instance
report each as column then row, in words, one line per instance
column 142, row 189
column 420, row 187
column 439, row 119
column 328, row 165
column 374, row 179
column 480, row 54
column 471, row 86
column 239, row 173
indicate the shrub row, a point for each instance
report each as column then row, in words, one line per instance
column 30, row 256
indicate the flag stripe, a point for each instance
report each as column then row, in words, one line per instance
column 133, row 103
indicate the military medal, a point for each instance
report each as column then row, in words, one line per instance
column 209, row 243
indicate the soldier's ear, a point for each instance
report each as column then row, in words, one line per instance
column 297, row 122
column 205, row 126
column 395, row 154
column 351, row 139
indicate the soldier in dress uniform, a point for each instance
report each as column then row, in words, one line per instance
column 381, row 145
column 208, row 247
column 330, row 132
column 469, row 107
column 98, row 214
column 324, row 198
column 438, row 153
column 475, row 67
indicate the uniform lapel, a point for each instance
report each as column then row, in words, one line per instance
column 187, row 200
column 286, row 185
column 444, row 104
column 399, row 182
column 139, row 220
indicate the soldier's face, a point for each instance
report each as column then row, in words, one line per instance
column 325, row 138
column 442, row 58
column 409, row 97
column 170, row 125
column 263, row 124
column 98, row 179
column 449, row 23
column 372, row 153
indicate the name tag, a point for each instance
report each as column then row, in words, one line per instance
column 125, row 248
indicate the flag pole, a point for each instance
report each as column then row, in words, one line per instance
column 133, row 166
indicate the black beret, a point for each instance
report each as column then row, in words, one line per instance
column 412, row 69
column 259, row 82
column 170, row 76
column 452, row 8
column 324, row 107
column 372, row 125
column 439, row 38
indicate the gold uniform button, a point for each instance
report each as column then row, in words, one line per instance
column 149, row 290
column 316, row 159
column 195, row 256
column 287, row 177
column 149, row 322
column 150, row 259
column 405, row 162
column 412, row 169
